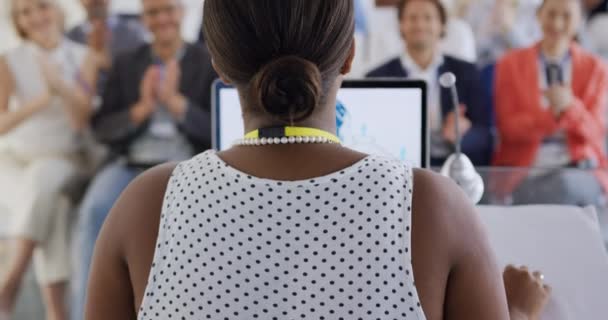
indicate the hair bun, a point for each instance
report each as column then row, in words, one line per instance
column 289, row 88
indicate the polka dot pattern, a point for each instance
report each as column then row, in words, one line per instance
column 232, row 246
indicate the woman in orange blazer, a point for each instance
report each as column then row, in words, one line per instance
column 551, row 100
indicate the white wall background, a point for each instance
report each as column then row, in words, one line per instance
column 74, row 15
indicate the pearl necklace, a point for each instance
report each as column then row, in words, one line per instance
column 283, row 140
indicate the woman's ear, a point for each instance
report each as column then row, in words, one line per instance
column 348, row 64
column 219, row 73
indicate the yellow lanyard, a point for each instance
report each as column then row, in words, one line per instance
column 287, row 132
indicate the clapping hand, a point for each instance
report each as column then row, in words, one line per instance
column 51, row 74
column 449, row 128
column 168, row 91
column 560, row 98
column 147, row 95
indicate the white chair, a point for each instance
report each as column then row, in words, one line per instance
column 565, row 243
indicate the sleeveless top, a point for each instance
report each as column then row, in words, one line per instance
column 48, row 132
column 233, row 246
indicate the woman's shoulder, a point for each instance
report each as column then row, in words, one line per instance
column 433, row 194
column 134, row 220
column 590, row 60
column 517, row 55
column 18, row 54
column 449, row 242
column 18, row 60
column 443, row 212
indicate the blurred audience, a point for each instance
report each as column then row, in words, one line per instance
column 551, row 107
column 51, row 78
column 527, row 293
column 156, row 108
column 385, row 41
column 150, row 103
column 362, row 38
column 501, row 25
column 423, row 24
column 107, row 34
column 459, row 40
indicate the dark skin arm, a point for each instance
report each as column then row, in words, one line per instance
column 454, row 268
column 125, row 249
column 456, row 273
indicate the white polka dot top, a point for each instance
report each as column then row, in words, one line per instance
column 232, row 246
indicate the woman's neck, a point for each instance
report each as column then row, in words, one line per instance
column 554, row 49
column 168, row 50
column 252, row 124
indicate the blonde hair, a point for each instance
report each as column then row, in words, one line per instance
column 14, row 17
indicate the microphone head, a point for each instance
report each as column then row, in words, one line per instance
column 447, row 80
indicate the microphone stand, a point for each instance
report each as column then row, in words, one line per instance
column 455, row 101
column 458, row 166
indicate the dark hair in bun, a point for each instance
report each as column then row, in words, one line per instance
column 287, row 88
column 283, row 55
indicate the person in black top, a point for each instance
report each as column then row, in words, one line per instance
column 155, row 108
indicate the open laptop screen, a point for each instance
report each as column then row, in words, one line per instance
column 385, row 117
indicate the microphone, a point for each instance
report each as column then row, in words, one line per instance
column 458, row 166
column 554, row 74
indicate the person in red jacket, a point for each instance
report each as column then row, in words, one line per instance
column 551, row 109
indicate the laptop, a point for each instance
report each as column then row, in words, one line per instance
column 381, row 117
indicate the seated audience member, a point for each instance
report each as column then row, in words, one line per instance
column 48, row 75
column 422, row 26
column 550, row 105
column 502, row 25
column 385, row 40
column 156, row 108
column 106, row 34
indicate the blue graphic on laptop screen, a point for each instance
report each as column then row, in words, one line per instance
column 360, row 138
